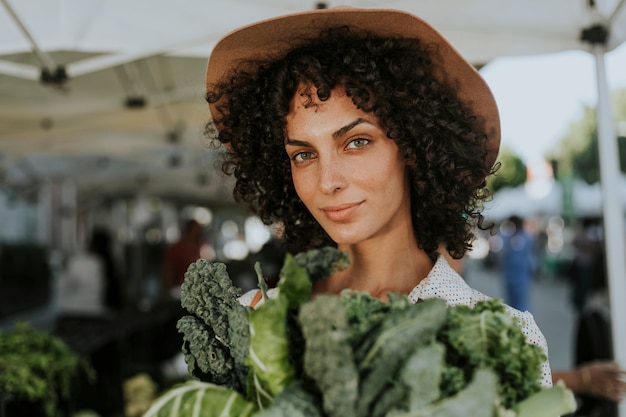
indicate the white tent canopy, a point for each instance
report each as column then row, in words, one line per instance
column 129, row 30
column 97, row 55
column 101, row 59
column 545, row 199
column 123, row 80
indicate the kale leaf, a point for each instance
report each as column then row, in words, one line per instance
column 216, row 332
column 322, row 262
column 328, row 356
column 193, row 398
column 293, row 401
column 486, row 336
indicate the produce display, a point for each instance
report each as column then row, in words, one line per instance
column 349, row 355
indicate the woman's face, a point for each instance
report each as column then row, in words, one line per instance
column 345, row 170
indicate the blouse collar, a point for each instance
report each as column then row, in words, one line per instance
column 443, row 282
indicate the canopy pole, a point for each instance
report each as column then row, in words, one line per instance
column 45, row 59
column 613, row 212
column 617, row 9
column 51, row 72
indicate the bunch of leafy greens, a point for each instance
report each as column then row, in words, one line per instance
column 38, row 367
column 350, row 355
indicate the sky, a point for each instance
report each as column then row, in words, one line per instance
column 539, row 96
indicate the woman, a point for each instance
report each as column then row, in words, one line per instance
column 363, row 129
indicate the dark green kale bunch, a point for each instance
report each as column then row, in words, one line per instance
column 350, row 355
column 486, row 336
column 216, row 334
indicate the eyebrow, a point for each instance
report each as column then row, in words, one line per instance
column 336, row 134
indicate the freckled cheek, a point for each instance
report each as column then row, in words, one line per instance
column 395, row 182
column 302, row 187
column 378, row 177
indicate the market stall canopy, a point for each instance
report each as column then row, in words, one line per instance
column 546, row 199
column 109, row 93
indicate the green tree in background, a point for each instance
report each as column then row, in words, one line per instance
column 577, row 152
column 512, row 171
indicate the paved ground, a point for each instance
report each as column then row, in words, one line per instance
column 550, row 307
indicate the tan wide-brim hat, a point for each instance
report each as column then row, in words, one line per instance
column 273, row 38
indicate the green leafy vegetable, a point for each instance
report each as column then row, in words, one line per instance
column 401, row 331
column 195, row 398
column 270, row 354
column 486, row 336
column 351, row 355
column 478, row 399
column 328, row 356
column 293, row 401
column 422, row 375
column 320, row 263
column 418, row 384
column 216, row 334
column 269, row 350
column 555, row 401
column 38, row 367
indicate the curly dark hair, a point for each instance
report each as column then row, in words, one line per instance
column 444, row 147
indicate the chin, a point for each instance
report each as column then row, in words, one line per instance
column 347, row 234
column 346, row 240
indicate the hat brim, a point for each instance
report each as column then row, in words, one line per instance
column 273, row 38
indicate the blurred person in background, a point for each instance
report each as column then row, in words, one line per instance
column 180, row 255
column 517, row 263
column 587, row 269
column 84, row 283
column 101, row 245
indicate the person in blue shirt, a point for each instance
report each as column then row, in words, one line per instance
column 518, row 263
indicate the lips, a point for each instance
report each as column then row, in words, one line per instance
column 341, row 212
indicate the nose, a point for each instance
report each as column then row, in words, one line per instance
column 331, row 176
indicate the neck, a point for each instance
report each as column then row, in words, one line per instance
column 395, row 265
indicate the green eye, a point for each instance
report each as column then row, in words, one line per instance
column 358, row 143
column 302, row 156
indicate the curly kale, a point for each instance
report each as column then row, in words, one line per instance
column 409, row 356
column 328, row 356
column 354, row 355
column 366, row 314
column 321, row 263
column 215, row 333
column 486, row 336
